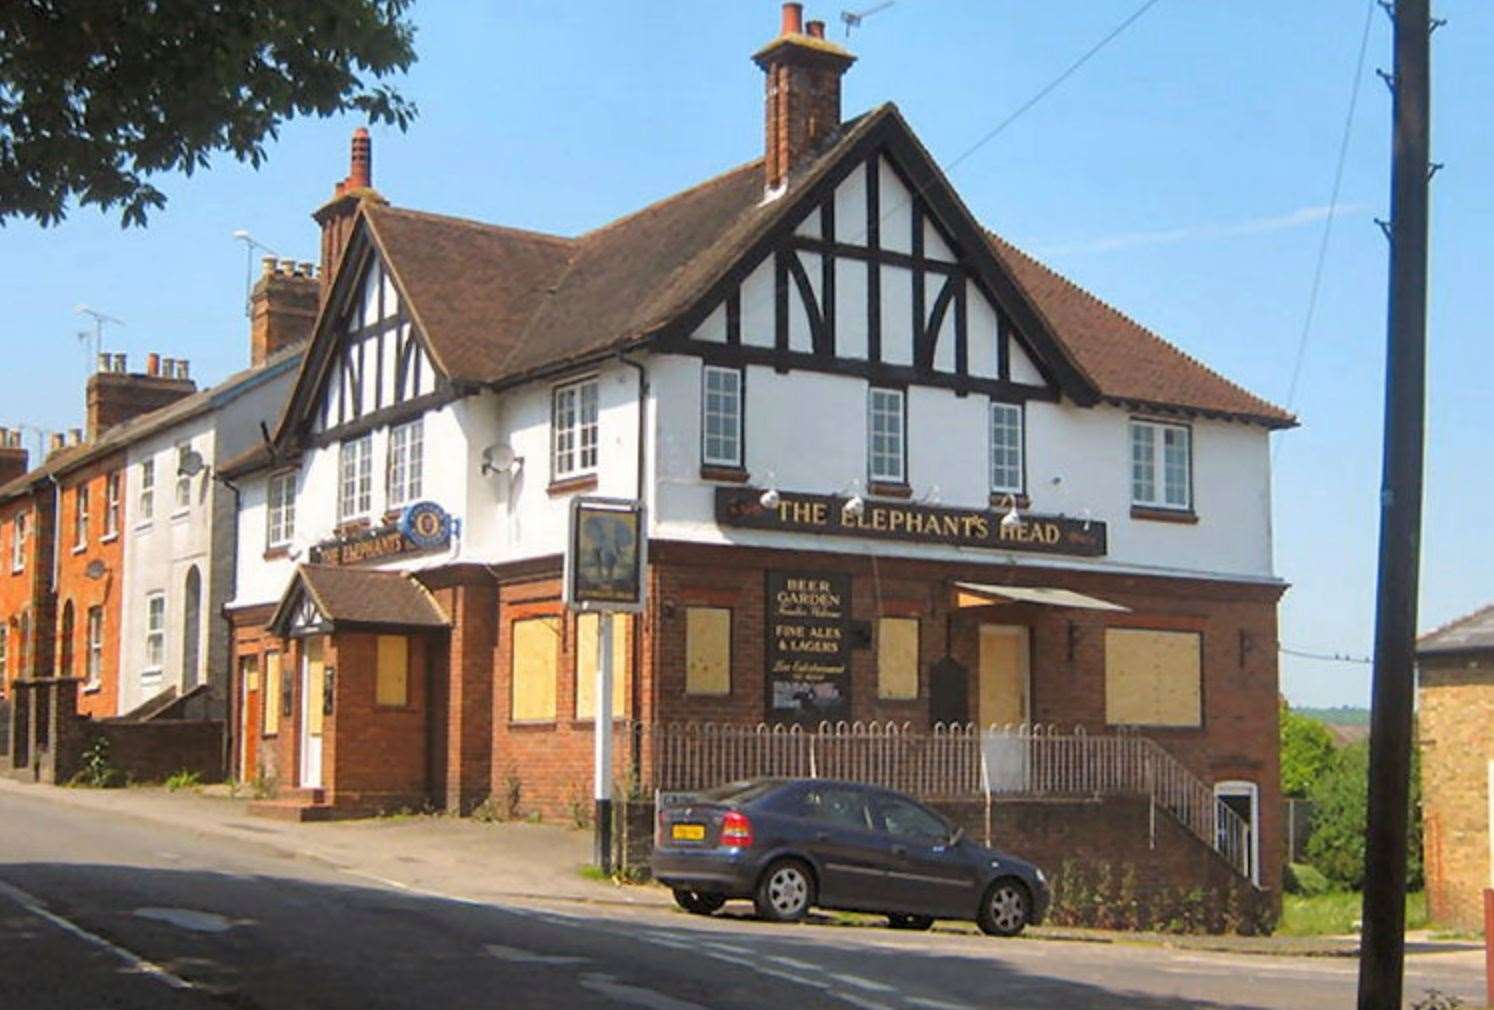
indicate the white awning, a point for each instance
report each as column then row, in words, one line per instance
column 1047, row 595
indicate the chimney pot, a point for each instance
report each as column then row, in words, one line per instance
column 266, row 265
column 104, row 359
column 793, row 19
column 57, row 441
column 152, row 363
column 360, row 163
column 183, row 369
column 75, row 436
column 816, row 29
column 120, row 363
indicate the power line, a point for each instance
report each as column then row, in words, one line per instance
column 1331, row 657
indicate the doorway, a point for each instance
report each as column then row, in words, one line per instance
column 249, row 708
column 1005, row 672
column 1244, row 799
column 313, row 714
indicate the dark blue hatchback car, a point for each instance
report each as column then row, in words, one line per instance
column 790, row 844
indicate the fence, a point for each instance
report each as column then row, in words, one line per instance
column 948, row 762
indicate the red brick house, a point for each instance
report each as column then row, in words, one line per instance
column 896, row 471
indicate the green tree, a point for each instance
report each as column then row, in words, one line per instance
column 1307, row 751
column 96, row 97
column 1340, row 801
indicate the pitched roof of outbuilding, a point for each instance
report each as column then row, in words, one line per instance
column 1470, row 633
column 366, row 596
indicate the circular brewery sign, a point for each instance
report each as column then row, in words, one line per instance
column 426, row 524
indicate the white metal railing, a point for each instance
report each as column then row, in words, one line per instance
column 947, row 762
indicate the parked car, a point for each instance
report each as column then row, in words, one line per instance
column 793, row 844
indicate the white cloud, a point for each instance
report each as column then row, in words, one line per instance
column 1171, row 236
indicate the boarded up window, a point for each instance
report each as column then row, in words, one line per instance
column 272, row 693
column 897, row 657
column 536, row 651
column 394, row 671
column 316, row 687
column 1153, row 678
column 707, row 650
column 587, row 627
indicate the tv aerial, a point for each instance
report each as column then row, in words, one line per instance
column 97, row 336
column 853, row 19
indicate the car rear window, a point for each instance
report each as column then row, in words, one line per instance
column 738, row 792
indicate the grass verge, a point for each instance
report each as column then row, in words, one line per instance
column 1336, row 913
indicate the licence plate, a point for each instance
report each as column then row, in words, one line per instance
column 689, row 832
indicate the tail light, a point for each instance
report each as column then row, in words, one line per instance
column 659, row 832
column 736, row 830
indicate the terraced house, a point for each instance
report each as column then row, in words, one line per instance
column 895, row 470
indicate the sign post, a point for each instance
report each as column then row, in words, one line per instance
column 605, row 559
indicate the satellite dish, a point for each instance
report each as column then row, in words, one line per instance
column 96, row 570
column 500, row 458
column 190, row 464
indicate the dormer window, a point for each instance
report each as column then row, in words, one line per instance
column 574, row 438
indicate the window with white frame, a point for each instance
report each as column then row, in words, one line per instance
column 574, row 417
column 355, row 488
column 183, row 492
column 406, row 462
column 80, row 517
column 155, row 631
column 95, row 661
column 147, row 490
column 18, row 543
column 886, row 450
column 281, row 509
column 111, row 504
column 1006, row 448
column 721, row 417
column 1161, row 465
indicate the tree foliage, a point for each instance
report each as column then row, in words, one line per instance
column 1307, row 752
column 1340, row 814
column 97, row 97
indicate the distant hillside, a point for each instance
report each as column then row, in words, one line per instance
column 1342, row 715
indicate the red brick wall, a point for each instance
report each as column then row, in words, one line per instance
column 27, row 592
column 74, row 586
column 375, row 756
column 154, row 751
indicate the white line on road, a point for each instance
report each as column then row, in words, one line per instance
column 634, row 995
column 530, row 957
column 35, row 907
column 935, row 1004
column 793, row 962
column 863, row 983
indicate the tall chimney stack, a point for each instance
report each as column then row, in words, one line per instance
column 282, row 308
column 115, row 395
column 336, row 216
column 803, row 71
column 13, row 455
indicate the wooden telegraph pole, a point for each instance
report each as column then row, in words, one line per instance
column 1382, row 954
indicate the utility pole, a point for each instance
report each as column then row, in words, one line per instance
column 1383, row 947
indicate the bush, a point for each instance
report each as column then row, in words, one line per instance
column 183, row 779
column 99, row 770
column 1307, row 752
column 1340, row 801
column 1304, row 879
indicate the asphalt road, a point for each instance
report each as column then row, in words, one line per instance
column 117, row 912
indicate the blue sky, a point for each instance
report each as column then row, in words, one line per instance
column 1182, row 174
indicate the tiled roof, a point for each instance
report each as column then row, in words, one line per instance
column 1469, row 633
column 370, row 596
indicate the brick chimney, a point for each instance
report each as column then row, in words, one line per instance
column 336, row 216
column 803, row 71
column 13, row 455
column 282, row 307
column 116, row 395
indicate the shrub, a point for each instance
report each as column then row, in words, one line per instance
column 99, row 770
column 1304, row 879
column 1340, row 814
column 1307, row 752
column 183, row 779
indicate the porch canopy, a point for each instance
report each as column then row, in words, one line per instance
column 980, row 594
column 324, row 598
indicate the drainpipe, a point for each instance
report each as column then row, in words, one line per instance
column 635, row 758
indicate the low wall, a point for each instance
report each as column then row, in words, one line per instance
column 154, row 751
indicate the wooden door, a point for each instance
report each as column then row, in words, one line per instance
column 1003, row 674
column 313, row 691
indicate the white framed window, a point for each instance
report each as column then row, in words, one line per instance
column 574, row 428
column 155, row 632
column 18, row 543
column 95, row 659
column 887, row 443
column 281, row 509
column 80, row 517
column 1161, row 465
column 1006, row 447
column 147, row 490
column 111, row 504
column 406, row 462
column 721, row 417
column 183, row 493
column 355, row 488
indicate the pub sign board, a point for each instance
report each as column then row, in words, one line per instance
column 606, row 555
column 929, row 524
column 423, row 526
column 808, row 652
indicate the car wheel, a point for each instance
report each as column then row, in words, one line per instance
column 1005, row 908
column 785, row 891
column 698, row 902
column 914, row 922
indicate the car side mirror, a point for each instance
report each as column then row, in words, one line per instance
column 954, row 839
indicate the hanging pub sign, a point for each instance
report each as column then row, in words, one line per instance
column 423, row 526
column 793, row 512
column 606, row 554
column 809, row 647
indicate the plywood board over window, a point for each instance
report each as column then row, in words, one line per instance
column 272, row 694
column 897, row 658
column 707, row 650
column 587, row 629
column 536, row 653
column 1153, row 678
column 393, row 682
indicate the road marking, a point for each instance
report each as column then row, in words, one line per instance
column 862, row 1001
column 791, row 962
column 529, row 957
column 936, row 1004
column 144, row 967
column 375, row 878
column 186, row 918
column 730, row 948
column 862, row 983
column 634, row 995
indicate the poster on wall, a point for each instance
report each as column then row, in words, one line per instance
column 809, row 647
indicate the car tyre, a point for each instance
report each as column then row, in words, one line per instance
column 698, row 902
column 1005, row 908
column 913, row 922
column 785, row 891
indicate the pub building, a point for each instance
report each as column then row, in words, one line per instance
column 894, row 469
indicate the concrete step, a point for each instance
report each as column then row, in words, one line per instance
column 293, row 810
